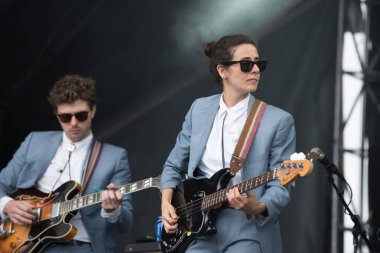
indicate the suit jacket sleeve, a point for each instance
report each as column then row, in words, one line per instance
column 122, row 176
column 177, row 163
column 9, row 176
column 276, row 196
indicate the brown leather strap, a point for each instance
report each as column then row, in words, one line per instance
column 247, row 136
column 92, row 162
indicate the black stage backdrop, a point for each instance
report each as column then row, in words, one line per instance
column 147, row 59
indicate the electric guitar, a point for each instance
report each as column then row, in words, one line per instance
column 54, row 212
column 196, row 207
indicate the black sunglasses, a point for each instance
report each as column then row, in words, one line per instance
column 247, row 65
column 66, row 117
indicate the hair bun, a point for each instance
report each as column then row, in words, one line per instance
column 208, row 48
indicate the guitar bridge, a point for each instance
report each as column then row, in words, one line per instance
column 6, row 229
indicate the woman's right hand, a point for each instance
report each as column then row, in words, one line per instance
column 169, row 216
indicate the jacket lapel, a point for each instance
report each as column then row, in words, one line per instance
column 50, row 146
column 202, row 125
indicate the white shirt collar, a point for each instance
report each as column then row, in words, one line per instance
column 66, row 142
column 237, row 109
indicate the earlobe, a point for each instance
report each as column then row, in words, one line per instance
column 93, row 111
column 222, row 71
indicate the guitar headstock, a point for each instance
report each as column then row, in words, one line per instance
column 291, row 169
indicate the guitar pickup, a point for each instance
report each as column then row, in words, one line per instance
column 37, row 212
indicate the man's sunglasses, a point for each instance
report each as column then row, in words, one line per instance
column 66, row 117
column 247, row 65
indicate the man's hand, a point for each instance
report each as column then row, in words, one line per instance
column 111, row 198
column 20, row 212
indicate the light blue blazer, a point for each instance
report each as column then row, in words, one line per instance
column 274, row 142
column 33, row 158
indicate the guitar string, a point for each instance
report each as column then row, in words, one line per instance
column 184, row 209
column 69, row 202
column 195, row 207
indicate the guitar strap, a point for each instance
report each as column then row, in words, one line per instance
column 93, row 159
column 247, row 136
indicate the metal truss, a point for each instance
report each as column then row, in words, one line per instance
column 353, row 78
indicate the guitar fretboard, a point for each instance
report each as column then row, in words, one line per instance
column 91, row 199
column 220, row 196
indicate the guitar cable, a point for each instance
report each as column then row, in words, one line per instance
column 224, row 119
column 61, row 172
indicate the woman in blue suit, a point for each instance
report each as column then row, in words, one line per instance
column 205, row 145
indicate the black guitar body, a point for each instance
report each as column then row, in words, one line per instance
column 193, row 220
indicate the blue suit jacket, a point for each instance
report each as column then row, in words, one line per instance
column 274, row 142
column 33, row 158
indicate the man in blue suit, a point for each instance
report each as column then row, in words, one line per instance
column 48, row 160
column 207, row 141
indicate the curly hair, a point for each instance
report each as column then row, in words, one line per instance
column 222, row 51
column 71, row 88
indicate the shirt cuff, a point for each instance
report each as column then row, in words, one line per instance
column 113, row 216
column 3, row 202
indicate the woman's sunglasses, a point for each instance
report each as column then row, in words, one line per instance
column 247, row 65
column 66, row 117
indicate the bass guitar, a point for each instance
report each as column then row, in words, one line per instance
column 196, row 207
column 54, row 212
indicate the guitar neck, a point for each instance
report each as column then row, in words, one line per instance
column 220, row 196
column 91, row 199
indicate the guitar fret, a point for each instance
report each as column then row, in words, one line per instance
column 147, row 183
column 97, row 198
column 80, row 202
column 204, row 203
column 85, row 200
column 66, row 206
column 74, row 203
column 134, row 187
column 55, row 210
column 222, row 196
column 127, row 188
column 90, row 199
column 245, row 186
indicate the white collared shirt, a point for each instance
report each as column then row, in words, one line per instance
column 61, row 171
column 211, row 161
